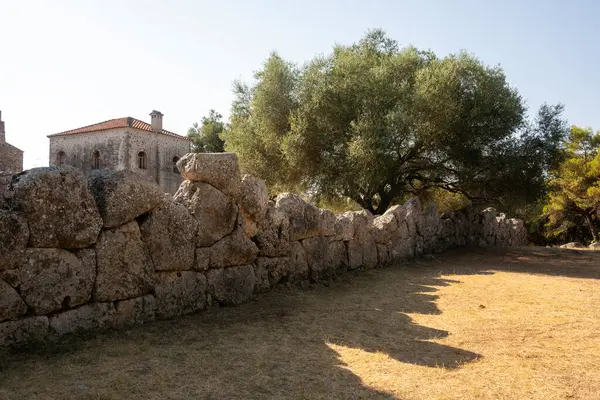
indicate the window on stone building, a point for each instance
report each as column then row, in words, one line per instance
column 175, row 159
column 61, row 158
column 142, row 160
column 96, row 160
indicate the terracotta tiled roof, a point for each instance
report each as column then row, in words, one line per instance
column 126, row 122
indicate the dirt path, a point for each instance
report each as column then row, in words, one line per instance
column 480, row 324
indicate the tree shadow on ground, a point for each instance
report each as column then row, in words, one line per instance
column 278, row 346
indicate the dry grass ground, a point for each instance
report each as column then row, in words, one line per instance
column 493, row 324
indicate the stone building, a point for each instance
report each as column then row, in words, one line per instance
column 123, row 144
column 11, row 160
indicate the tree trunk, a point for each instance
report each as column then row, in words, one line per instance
column 593, row 230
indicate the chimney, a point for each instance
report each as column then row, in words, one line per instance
column 156, row 121
column 2, row 133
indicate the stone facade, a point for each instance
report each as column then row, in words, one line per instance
column 11, row 160
column 108, row 250
column 116, row 146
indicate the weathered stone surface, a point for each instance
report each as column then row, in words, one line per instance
column 124, row 268
column 361, row 221
column 261, row 274
column 58, row 206
column 23, row 331
column 53, row 279
column 362, row 250
column 298, row 264
column 14, row 236
column 594, row 246
column 202, row 258
column 254, row 197
column 413, row 216
column 179, row 293
column 169, row 233
column 123, row 195
column 11, row 304
column 317, row 256
column 137, row 311
column 215, row 212
column 430, row 227
column 369, row 252
column 327, row 223
column 384, row 256
column 235, row 249
column 402, row 247
column 278, row 268
column 384, row 226
column 89, row 317
column 249, row 225
column 343, row 227
column 233, row 285
column 304, row 217
column 273, row 237
column 337, row 256
column 221, row 170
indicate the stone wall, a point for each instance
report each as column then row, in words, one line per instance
column 109, row 250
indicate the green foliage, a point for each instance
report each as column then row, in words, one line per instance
column 260, row 119
column 206, row 136
column 375, row 123
column 574, row 197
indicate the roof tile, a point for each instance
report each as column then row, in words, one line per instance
column 126, row 122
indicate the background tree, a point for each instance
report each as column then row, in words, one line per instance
column 260, row 118
column 574, row 198
column 206, row 136
column 374, row 123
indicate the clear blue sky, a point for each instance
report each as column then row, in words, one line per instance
column 66, row 64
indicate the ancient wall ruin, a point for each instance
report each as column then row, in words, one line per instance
column 109, row 250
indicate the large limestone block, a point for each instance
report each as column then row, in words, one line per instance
column 298, row 269
column 233, row 285
column 384, row 256
column 169, row 233
column 53, row 279
column 89, row 317
column 362, row 252
column 399, row 212
column 14, row 236
column 317, row 256
column 273, row 237
column 254, row 197
column 343, row 227
column 23, row 331
column 235, row 249
column 136, row 311
column 221, row 170
column 384, row 226
column 430, row 227
column 278, row 268
column 58, row 206
column 215, row 212
column 124, row 268
column 361, row 221
column 337, row 256
column 261, row 274
column 11, row 304
column 402, row 247
column 414, row 216
column 305, row 218
column 179, row 293
column 327, row 223
column 123, row 195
